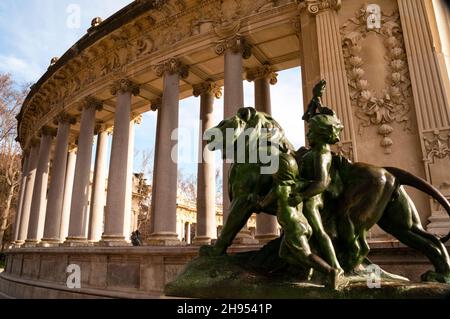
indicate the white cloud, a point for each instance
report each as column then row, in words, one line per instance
column 20, row 69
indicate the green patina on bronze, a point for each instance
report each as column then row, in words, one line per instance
column 325, row 203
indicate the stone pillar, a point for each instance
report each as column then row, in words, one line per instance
column 56, row 192
column 322, row 58
column 431, row 93
column 68, row 189
column 164, row 196
column 234, row 49
column 263, row 77
column 206, row 176
column 23, row 183
column 28, row 196
column 98, row 200
column 187, row 232
column 38, row 203
column 119, row 173
column 79, row 208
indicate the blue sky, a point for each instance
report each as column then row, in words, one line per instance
column 34, row 31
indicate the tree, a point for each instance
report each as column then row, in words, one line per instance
column 11, row 99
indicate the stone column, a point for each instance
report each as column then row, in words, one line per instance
column 119, row 174
column 322, row 58
column 234, row 49
column 164, row 196
column 263, row 77
column 98, row 200
column 187, row 232
column 56, row 192
column 206, row 177
column 68, row 189
column 79, row 208
column 23, row 183
column 28, row 196
column 38, row 203
column 431, row 93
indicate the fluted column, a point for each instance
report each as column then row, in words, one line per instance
column 431, row 92
column 206, row 177
column 79, row 208
column 119, row 174
column 164, row 196
column 234, row 49
column 23, row 183
column 322, row 58
column 68, row 189
column 56, row 191
column 98, row 200
column 263, row 77
column 28, row 196
column 38, row 203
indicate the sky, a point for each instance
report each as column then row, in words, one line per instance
column 34, row 31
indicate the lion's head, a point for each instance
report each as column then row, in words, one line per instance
column 324, row 129
column 247, row 128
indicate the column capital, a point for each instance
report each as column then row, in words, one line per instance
column 210, row 87
column 317, row 6
column 136, row 118
column 102, row 127
column 35, row 142
column 64, row 117
column 265, row 71
column 172, row 66
column 73, row 146
column 155, row 104
column 123, row 86
column 48, row 131
column 236, row 43
column 89, row 102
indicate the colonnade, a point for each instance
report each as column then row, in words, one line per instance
column 67, row 213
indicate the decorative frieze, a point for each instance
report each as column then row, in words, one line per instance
column 172, row 66
column 207, row 87
column 124, row 86
column 264, row 71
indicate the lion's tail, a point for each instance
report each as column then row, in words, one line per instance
column 406, row 178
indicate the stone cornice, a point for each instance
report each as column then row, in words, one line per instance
column 264, row 71
column 316, row 6
column 172, row 66
column 124, row 86
column 237, row 44
column 207, row 87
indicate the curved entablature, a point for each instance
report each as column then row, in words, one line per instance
column 138, row 40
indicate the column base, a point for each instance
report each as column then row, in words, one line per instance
column 245, row 238
column 202, row 240
column 439, row 224
column 49, row 242
column 163, row 239
column 265, row 238
column 113, row 241
column 18, row 243
column 30, row 243
column 75, row 242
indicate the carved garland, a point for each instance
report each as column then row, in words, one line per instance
column 392, row 105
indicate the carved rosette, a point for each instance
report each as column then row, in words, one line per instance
column 155, row 104
column 390, row 106
column 437, row 145
column 172, row 66
column 237, row 44
column 208, row 87
column 124, row 86
column 317, row 6
column 264, row 71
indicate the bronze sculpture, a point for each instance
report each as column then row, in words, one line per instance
column 357, row 197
